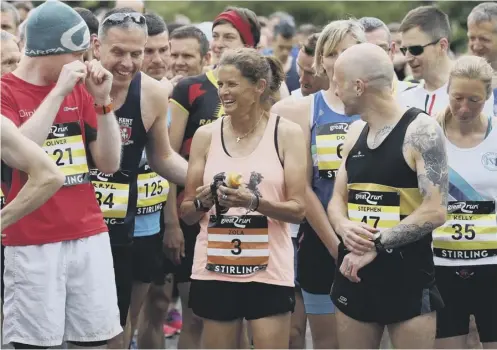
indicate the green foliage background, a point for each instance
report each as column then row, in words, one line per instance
column 316, row 12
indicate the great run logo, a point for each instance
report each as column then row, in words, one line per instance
column 236, row 221
column 463, row 207
column 58, row 131
column 339, row 126
column 372, row 199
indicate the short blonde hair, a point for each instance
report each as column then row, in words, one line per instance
column 332, row 35
column 468, row 67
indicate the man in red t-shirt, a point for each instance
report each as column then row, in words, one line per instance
column 59, row 276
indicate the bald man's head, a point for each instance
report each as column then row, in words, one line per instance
column 360, row 70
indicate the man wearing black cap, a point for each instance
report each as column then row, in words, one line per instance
column 59, row 277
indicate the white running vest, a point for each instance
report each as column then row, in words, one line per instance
column 469, row 236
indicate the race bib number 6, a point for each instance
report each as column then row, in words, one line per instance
column 329, row 143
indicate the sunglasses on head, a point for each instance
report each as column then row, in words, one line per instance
column 118, row 18
column 417, row 50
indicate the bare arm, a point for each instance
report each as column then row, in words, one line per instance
column 195, row 177
column 337, row 208
column 298, row 111
column 106, row 149
column 179, row 119
column 424, row 142
column 44, row 177
column 161, row 157
column 293, row 209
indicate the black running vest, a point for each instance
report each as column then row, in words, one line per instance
column 117, row 193
column 382, row 190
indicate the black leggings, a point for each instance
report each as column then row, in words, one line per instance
column 88, row 344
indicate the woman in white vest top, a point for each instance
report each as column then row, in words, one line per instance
column 465, row 248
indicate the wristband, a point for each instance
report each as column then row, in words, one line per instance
column 103, row 109
column 198, row 205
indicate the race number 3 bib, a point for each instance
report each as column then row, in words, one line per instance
column 329, row 142
column 112, row 193
column 470, row 231
column 65, row 146
column 380, row 210
column 152, row 191
column 238, row 245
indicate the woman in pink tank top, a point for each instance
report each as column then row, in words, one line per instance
column 246, row 180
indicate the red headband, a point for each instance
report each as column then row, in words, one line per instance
column 240, row 25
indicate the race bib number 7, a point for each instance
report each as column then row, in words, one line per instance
column 65, row 146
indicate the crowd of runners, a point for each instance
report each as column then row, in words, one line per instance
column 264, row 178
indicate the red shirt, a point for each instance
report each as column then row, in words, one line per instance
column 73, row 211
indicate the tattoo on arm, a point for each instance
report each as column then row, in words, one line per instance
column 402, row 235
column 428, row 140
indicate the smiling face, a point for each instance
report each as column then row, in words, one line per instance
column 186, row 59
column 225, row 36
column 121, row 51
column 237, row 93
column 482, row 39
column 425, row 64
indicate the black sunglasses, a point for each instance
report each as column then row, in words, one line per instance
column 118, row 18
column 417, row 50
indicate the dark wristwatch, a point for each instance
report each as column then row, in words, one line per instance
column 377, row 243
column 199, row 206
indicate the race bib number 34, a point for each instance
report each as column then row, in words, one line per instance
column 152, row 191
column 239, row 245
column 112, row 193
column 65, row 146
column 380, row 210
column 470, row 231
column 329, row 143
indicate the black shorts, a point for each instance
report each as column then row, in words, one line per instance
column 123, row 267
column 315, row 265
column 183, row 271
column 388, row 292
column 468, row 291
column 229, row 301
column 148, row 259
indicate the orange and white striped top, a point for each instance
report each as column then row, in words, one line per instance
column 246, row 247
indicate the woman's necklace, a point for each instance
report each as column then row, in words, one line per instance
column 238, row 138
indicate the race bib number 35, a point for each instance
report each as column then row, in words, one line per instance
column 329, row 143
column 152, row 191
column 470, row 231
column 112, row 193
column 65, row 146
column 380, row 210
column 239, row 245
